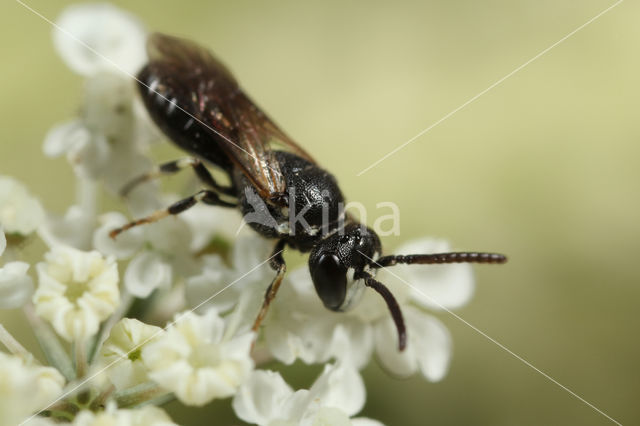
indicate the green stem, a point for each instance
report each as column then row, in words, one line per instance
column 69, row 408
column 138, row 394
column 50, row 344
column 13, row 345
column 59, row 415
column 99, row 401
column 80, row 352
column 125, row 303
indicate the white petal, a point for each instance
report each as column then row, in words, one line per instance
column 73, row 229
column 249, row 251
column 121, row 352
column 327, row 416
column 262, row 397
column 107, row 108
column 113, row 416
column 428, row 347
column 25, row 388
column 116, row 36
column 193, row 360
column 16, row 287
column 365, row 421
column 297, row 325
column 20, row 212
column 147, row 272
column 209, row 284
column 65, row 137
column 3, row 241
column 123, row 168
column 170, row 236
column 125, row 245
column 90, row 159
column 340, row 386
column 207, row 222
column 223, row 285
column 352, row 341
column 435, row 286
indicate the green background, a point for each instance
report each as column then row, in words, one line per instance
column 544, row 167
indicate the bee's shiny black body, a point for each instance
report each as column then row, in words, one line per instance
column 156, row 85
column 314, row 197
column 282, row 192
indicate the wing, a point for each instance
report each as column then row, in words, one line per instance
column 217, row 102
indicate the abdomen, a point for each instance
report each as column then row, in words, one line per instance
column 167, row 101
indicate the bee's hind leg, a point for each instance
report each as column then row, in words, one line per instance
column 204, row 196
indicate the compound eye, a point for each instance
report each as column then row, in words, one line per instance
column 330, row 280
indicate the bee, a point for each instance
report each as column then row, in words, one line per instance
column 198, row 104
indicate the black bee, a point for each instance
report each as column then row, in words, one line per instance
column 199, row 105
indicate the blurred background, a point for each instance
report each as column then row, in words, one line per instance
column 545, row 167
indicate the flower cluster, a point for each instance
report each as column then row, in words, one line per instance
column 26, row 387
column 165, row 311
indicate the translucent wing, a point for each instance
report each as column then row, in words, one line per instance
column 203, row 87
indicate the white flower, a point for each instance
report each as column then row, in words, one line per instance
column 364, row 421
column 148, row 415
column 70, row 229
column 197, row 360
column 209, row 222
column 169, row 252
column 20, row 213
column 76, row 227
column 433, row 286
column 428, row 348
column 126, row 245
column 266, row 399
column 116, row 36
column 299, row 326
column 249, row 251
column 124, row 345
column 107, row 140
column 166, row 255
column 170, row 237
column 147, row 272
column 76, row 291
column 16, row 287
column 25, row 388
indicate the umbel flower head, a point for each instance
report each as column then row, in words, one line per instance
column 122, row 352
column 107, row 139
column 25, row 387
column 112, row 416
column 337, row 395
column 198, row 360
column 20, row 212
column 148, row 415
column 16, row 286
column 76, row 291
